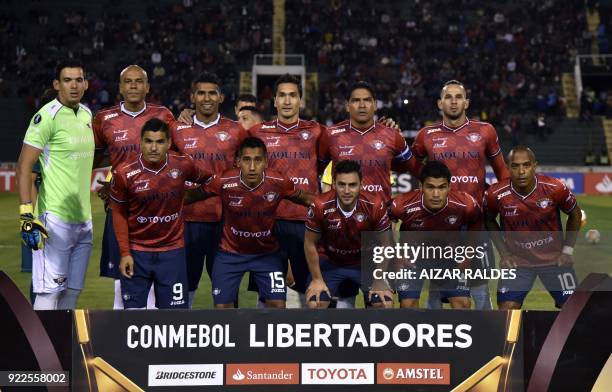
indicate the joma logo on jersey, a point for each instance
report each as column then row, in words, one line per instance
column 182, row 127
column 268, row 127
column 120, row 135
column 133, row 173
column 502, row 195
column 340, row 130
column 433, row 130
column 413, row 209
column 229, row 185
column 109, row 116
column 329, row 211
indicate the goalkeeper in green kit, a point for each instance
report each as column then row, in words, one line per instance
column 60, row 231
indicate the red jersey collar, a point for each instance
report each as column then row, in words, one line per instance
column 360, row 131
column 527, row 195
column 206, row 125
column 432, row 212
column 263, row 177
column 465, row 124
column 132, row 114
column 152, row 170
column 287, row 128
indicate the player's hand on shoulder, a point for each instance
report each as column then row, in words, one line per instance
column 508, row 261
column 126, row 266
column 389, row 122
column 186, row 116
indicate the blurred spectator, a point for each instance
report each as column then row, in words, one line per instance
column 589, row 158
column 604, row 158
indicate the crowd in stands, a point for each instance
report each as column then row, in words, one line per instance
column 509, row 54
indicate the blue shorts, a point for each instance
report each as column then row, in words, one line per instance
column 166, row 270
column 335, row 275
column 448, row 288
column 559, row 281
column 201, row 242
column 266, row 269
column 110, row 257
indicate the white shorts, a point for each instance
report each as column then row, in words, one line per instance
column 62, row 263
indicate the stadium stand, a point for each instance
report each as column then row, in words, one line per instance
column 512, row 56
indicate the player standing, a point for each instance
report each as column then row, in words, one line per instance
column 435, row 207
column 211, row 140
column 465, row 146
column 333, row 238
column 250, row 195
column 61, row 139
column 532, row 240
column 117, row 130
column 291, row 143
column 147, row 196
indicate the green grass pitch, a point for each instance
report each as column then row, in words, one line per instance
column 98, row 292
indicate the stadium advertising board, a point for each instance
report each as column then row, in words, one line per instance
column 8, row 179
column 297, row 350
column 598, row 183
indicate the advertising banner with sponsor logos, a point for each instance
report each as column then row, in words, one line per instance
column 8, row 179
column 297, row 350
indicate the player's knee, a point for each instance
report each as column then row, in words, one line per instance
column 409, row 303
column 509, row 305
column 224, row 306
column 275, row 304
column 460, row 303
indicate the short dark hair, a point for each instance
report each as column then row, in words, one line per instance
column 360, row 84
column 288, row 78
column 435, row 169
column 347, row 166
column 206, row 77
column 68, row 64
column 155, row 125
column 252, row 142
column 252, row 109
column 246, row 98
column 453, row 82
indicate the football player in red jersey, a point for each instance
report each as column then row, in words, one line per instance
column 332, row 243
column 435, row 207
column 117, row 132
column 465, row 146
column 250, row 195
column 147, row 196
column 377, row 147
column 531, row 237
column 211, row 140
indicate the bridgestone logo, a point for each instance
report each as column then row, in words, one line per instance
column 185, row 375
column 250, row 234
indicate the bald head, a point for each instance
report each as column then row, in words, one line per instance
column 134, row 68
column 134, row 87
column 523, row 150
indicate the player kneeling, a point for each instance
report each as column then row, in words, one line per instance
column 332, row 243
column 435, row 208
column 531, row 238
column 147, row 196
column 250, row 195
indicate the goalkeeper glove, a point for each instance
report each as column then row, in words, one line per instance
column 33, row 232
